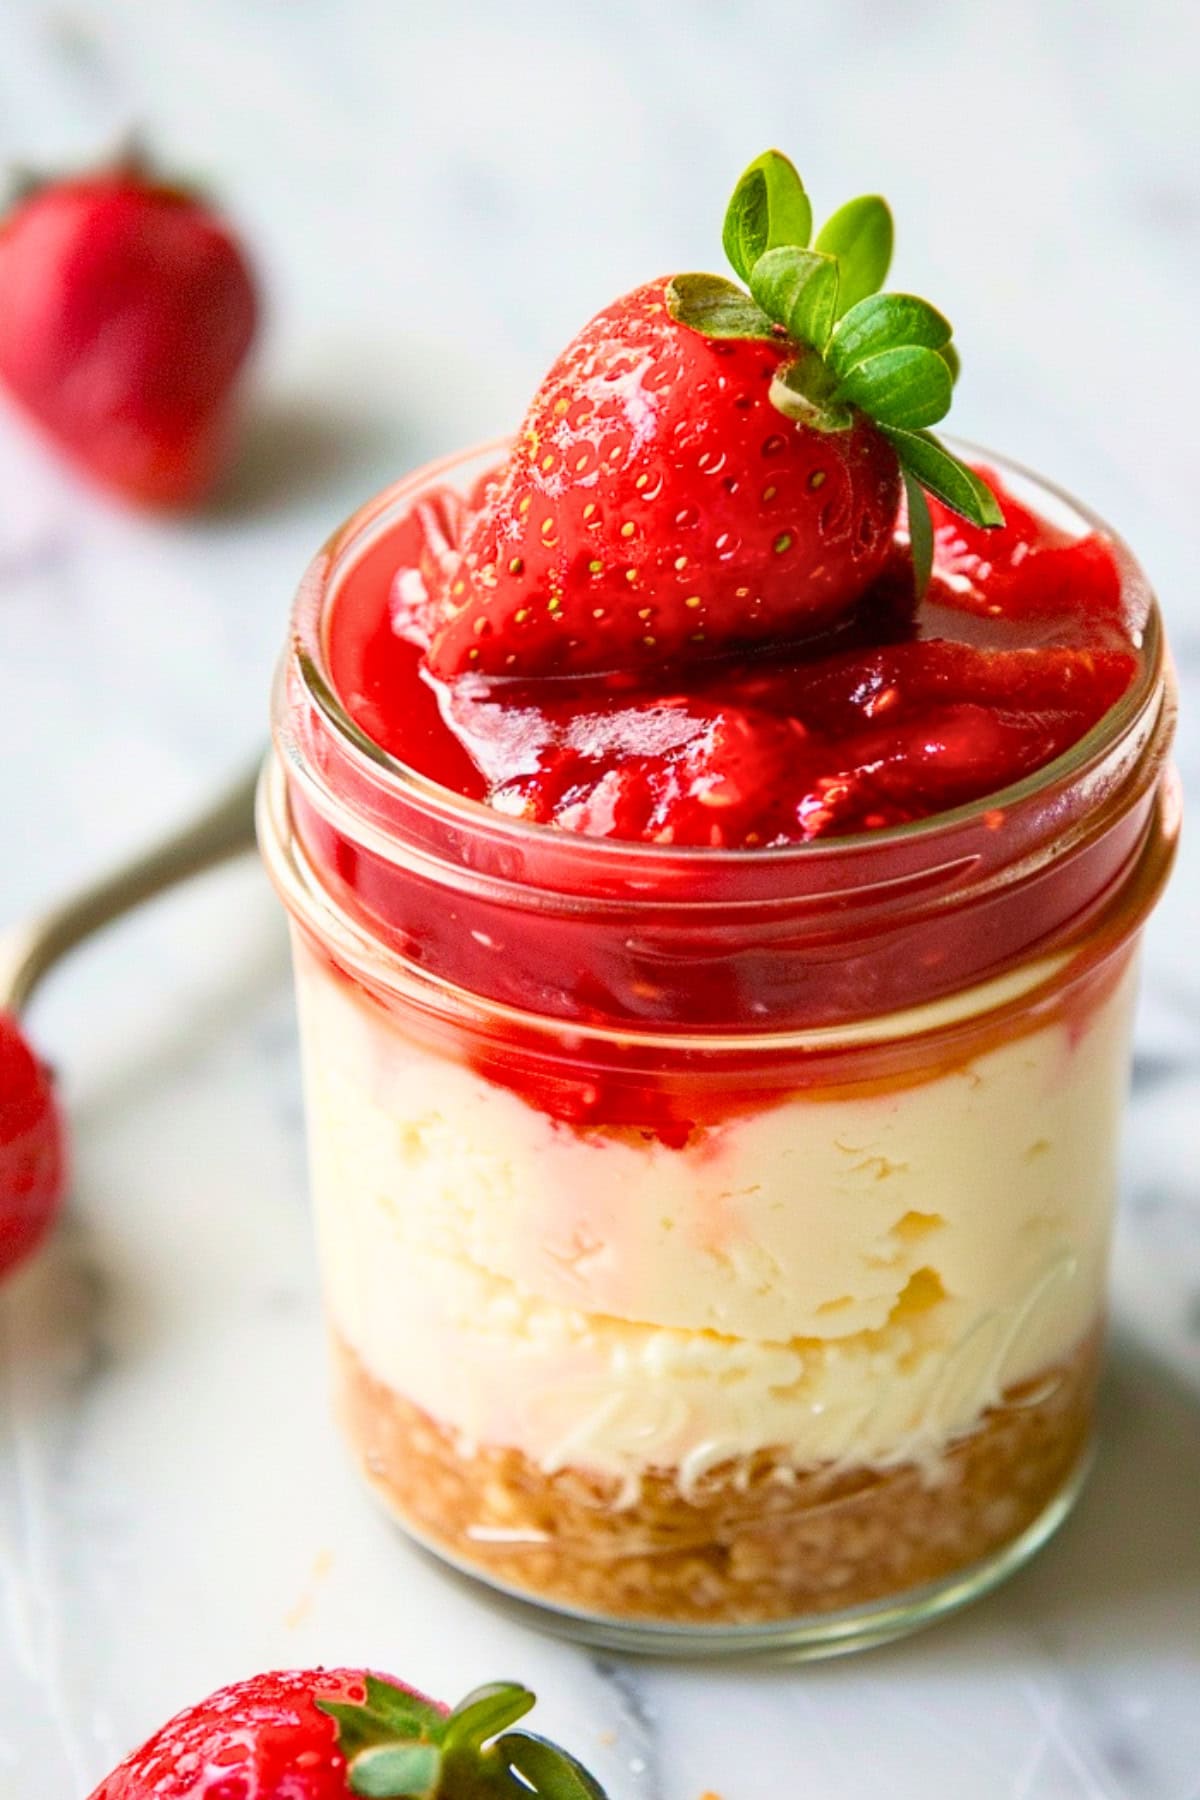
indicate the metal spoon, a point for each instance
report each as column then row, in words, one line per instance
column 34, row 1159
column 30, row 947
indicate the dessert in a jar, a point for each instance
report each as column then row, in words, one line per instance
column 717, row 829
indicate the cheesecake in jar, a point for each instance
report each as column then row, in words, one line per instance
column 716, row 1004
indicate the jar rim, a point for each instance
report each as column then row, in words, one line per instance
column 350, row 540
column 1022, row 992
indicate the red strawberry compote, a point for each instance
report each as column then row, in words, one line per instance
column 714, row 1077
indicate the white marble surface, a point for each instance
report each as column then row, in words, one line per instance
column 438, row 199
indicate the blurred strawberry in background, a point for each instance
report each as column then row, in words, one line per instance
column 127, row 309
column 33, row 1158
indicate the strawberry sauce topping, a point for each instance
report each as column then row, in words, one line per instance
column 1024, row 638
column 728, row 592
column 904, row 710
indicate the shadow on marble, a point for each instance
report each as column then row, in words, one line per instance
column 1123, row 1571
column 163, row 1095
column 230, row 998
column 292, row 451
column 1136, row 1533
column 1125, row 1568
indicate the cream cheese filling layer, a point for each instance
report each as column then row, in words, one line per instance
column 852, row 1278
column 575, row 1389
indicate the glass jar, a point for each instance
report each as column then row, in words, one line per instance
column 714, row 1242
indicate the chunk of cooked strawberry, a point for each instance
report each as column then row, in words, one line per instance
column 716, row 780
column 908, row 770
column 769, row 753
column 842, row 693
column 1026, row 568
column 658, row 507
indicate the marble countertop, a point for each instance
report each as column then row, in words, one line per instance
column 438, row 199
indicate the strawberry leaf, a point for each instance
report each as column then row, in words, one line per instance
column 550, row 1773
column 803, row 390
column 920, row 531
column 799, row 289
column 769, row 207
column 860, row 235
column 484, row 1713
column 716, row 308
column 396, row 1772
column 400, row 1747
column 388, row 1715
column 942, row 474
column 950, row 357
column 908, row 387
column 885, row 322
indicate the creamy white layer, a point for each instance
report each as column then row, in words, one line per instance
column 853, row 1278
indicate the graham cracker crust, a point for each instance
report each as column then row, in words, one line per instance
column 758, row 1541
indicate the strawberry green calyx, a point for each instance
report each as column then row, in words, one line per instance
column 858, row 350
column 130, row 160
column 399, row 1746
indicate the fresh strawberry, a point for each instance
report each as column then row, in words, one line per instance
column 658, row 505
column 326, row 1734
column 126, row 312
column 33, row 1161
column 704, row 468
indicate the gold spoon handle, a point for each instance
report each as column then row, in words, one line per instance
column 29, row 948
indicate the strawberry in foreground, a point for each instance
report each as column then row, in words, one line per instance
column 324, row 1734
column 127, row 309
column 32, row 1148
column 705, row 468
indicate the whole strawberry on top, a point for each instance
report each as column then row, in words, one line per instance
column 127, row 308
column 705, row 468
column 325, row 1734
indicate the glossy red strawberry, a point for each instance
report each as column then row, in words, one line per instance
column 658, row 506
column 705, row 469
column 126, row 312
column 33, row 1162
column 325, row 1734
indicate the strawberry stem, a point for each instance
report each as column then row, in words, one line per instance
column 400, row 1747
column 859, row 351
